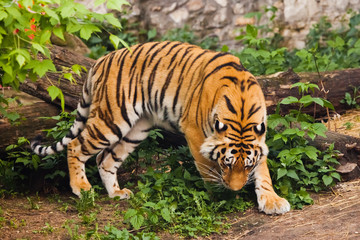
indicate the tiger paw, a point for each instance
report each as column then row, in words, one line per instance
column 273, row 204
column 77, row 187
column 123, row 193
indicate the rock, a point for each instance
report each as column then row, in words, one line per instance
column 170, row 8
column 180, row 15
column 222, row 3
column 209, row 8
column 195, row 5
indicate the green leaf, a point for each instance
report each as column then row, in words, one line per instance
column 38, row 47
column 54, row 92
column 311, row 152
column 335, row 175
column 130, row 213
column 99, row 2
column 3, row 15
column 137, row 221
column 41, row 67
column 116, row 4
column 113, row 20
column 52, row 14
column 45, row 36
column 251, row 30
column 281, row 172
column 20, row 59
column 87, row 29
column 165, row 213
column 59, row 33
column 327, row 180
column 291, row 173
column 289, row 100
column 114, row 40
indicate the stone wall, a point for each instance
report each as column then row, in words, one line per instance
column 223, row 18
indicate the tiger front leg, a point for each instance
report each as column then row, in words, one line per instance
column 269, row 202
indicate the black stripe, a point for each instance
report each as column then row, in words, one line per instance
column 113, row 127
column 135, row 61
column 252, row 111
column 93, row 146
column 137, row 47
column 132, row 141
column 165, row 87
column 80, row 118
column 175, row 45
column 217, row 56
column 123, row 109
column 118, row 83
column 242, row 108
column 157, row 51
column 173, row 58
column 84, row 104
column 70, row 135
column 198, row 57
column 151, row 81
column 232, row 79
column 152, row 47
column 229, row 105
column 99, row 134
column 251, row 81
column 176, row 97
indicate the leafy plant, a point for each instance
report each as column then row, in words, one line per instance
column 348, row 125
column 173, row 196
column 185, row 34
column 295, row 165
column 25, row 31
column 351, row 101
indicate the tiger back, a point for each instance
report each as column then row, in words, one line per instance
column 208, row 96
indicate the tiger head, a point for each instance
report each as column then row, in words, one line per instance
column 237, row 139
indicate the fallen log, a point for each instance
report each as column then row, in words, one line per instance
column 349, row 152
column 30, row 125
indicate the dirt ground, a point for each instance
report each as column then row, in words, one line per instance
column 334, row 215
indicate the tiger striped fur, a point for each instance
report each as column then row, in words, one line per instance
column 208, row 96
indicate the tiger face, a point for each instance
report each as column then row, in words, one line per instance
column 237, row 143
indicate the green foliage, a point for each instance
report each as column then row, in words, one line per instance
column 20, row 166
column 295, row 165
column 351, row 101
column 86, row 201
column 110, row 39
column 25, row 31
column 325, row 50
column 185, row 34
column 174, row 197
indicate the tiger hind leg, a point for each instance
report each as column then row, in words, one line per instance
column 110, row 159
column 89, row 142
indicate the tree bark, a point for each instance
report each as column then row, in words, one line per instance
column 349, row 152
column 30, row 125
column 63, row 59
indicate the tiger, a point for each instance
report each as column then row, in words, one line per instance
column 208, row 96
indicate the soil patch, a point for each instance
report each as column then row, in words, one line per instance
column 334, row 215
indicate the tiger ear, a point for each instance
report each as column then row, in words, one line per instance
column 219, row 126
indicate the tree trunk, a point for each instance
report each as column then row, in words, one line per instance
column 30, row 125
column 63, row 59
